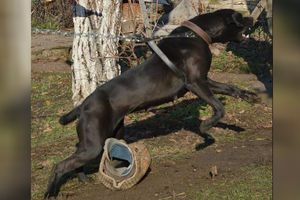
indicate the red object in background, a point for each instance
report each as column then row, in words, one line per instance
column 72, row 1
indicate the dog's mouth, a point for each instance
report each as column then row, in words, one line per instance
column 245, row 37
column 248, row 23
column 242, row 37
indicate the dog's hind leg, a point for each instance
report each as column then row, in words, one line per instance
column 82, row 177
column 117, row 133
column 119, row 130
column 90, row 146
column 73, row 162
column 222, row 88
column 201, row 89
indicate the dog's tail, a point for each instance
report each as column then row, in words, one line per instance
column 71, row 116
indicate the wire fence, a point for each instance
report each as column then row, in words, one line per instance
column 57, row 14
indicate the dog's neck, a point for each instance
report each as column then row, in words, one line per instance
column 206, row 23
column 198, row 30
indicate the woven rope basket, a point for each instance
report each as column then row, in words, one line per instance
column 142, row 161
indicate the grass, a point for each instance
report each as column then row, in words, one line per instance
column 50, row 142
column 213, row 1
column 226, row 61
column 50, row 24
column 50, row 99
column 258, row 185
column 190, row 111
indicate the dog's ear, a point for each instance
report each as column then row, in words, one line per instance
column 237, row 19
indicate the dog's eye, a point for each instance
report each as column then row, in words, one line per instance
column 237, row 19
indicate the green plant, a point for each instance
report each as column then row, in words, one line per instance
column 228, row 62
column 51, row 15
column 257, row 187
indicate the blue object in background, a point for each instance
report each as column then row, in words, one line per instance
column 162, row 2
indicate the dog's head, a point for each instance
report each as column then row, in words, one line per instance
column 229, row 26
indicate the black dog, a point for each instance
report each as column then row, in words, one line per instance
column 101, row 114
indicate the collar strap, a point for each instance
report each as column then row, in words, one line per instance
column 199, row 31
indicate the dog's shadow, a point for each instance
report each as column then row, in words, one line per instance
column 164, row 120
column 258, row 53
column 173, row 118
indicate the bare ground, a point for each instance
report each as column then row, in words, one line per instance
column 189, row 172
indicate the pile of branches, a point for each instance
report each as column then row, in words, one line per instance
column 53, row 14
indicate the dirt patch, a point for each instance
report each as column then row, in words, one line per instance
column 177, row 177
column 261, row 85
column 45, row 41
column 50, row 53
column 58, row 66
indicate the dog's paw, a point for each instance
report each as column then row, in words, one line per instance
column 84, row 178
column 50, row 193
column 250, row 97
column 52, row 190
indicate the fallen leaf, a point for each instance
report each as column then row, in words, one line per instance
column 218, row 150
column 68, row 193
column 173, row 140
column 213, row 171
column 48, row 103
column 48, row 129
column 230, row 116
column 43, row 164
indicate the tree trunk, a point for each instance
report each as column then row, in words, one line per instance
column 94, row 57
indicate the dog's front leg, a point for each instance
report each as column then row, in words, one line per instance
column 222, row 88
column 202, row 90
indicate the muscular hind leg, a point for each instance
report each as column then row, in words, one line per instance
column 119, row 130
column 77, row 160
column 91, row 142
column 117, row 133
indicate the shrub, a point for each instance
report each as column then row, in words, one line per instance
column 51, row 14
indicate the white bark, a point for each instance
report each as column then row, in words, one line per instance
column 94, row 58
